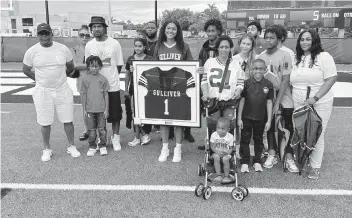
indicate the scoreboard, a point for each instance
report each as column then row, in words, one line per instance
column 329, row 17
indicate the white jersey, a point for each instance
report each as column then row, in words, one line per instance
column 213, row 73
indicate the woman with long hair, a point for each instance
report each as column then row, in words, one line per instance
column 247, row 55
column 315, row 68
column 79, row 62
column 170, row 46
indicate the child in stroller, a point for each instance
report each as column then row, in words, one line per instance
column 219, row 157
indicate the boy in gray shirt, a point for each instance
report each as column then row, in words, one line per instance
column 95, row 102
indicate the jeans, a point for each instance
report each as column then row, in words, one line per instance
column 96, row 121
column 257, row 126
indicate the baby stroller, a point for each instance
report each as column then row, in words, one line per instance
column 207, row 167
column 307, row 129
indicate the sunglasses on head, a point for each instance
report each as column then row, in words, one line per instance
column 84, row 35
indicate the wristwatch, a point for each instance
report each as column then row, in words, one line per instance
column 316, row 98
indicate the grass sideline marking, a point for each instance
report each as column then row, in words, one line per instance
column 172, row 188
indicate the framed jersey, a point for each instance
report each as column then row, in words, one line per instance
column 166, row 93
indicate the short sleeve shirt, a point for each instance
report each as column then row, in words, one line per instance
column 256, row 94
column 49, row 64
column 221, row 145
column 110, row 52
column 278, row 64
column 303, row 76
column 94, row 86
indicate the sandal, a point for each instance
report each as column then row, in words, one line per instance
column 217, row 179
column 84, row 136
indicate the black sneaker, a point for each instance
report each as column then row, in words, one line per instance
column 189, row 137
column 84, row 136
column 201, row 147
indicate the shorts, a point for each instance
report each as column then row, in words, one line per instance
column 115, row 109
column 228, row 113
column 47, row 101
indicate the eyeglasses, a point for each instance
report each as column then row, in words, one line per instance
column 84, row 35
column 258, row 68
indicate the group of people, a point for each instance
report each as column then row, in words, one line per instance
column 252, row 82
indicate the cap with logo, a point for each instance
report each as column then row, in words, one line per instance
column 43, row 27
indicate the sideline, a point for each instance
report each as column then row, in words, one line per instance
column 172, row 188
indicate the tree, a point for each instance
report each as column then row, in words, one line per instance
column 183, row 16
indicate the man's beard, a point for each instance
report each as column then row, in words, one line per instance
column 151, row 35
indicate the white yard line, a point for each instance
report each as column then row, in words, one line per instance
column 171, row 188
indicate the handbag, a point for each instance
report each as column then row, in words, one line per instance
column 214, row 104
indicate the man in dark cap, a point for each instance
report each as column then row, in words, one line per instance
column 52, row 62
column 110, row 52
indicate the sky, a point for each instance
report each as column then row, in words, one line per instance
column 136, row 11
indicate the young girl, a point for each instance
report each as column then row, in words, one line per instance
column 170, row 46
column 247, row 55
column 138, row 54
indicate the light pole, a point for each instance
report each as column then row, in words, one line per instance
column 47, row 11
column 156, row 13
column 110, row 21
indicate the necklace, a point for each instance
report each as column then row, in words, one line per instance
column 150, row 46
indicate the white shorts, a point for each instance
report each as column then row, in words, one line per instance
column 46, row 101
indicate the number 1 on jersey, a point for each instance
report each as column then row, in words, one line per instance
column 166, row 107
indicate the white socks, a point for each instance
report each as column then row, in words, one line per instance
column 165, row 145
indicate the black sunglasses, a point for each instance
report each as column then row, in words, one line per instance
column 44, row 33
column 84, row 35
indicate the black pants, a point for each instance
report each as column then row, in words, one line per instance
column 287, row 115
column 257, row 126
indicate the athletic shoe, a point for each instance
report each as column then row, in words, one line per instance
column 217, row 179
column 201, row 147
column 116, row 142
column 164, row 154
column 189, row 137
column 91, row 152
column 72, row 150
column 103, row 151
column 291, row 166
column 47, row 153
column 145, row 139
column 84, row 136
column 177, row 154
column 257, row 167
column 135, row 142
column 244, row 168
column 270, row 161
column 314, row 173
column 226, row 180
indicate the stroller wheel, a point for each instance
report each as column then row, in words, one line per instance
column 207, row 193
column 238, row 194
column 244, row 189
column 199, row 189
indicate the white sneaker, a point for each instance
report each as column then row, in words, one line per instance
column 258, row 167
column 91, row 152
column 177, row 155
column 135, row 142
column 103, row 151
column 270, row 161
column 73, row 151
column 116, row 142
column 146, row 139
column 47, row 153
column 164, row 154
column 291, row 166
column 244, row 168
